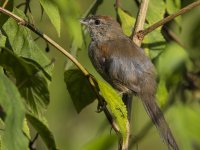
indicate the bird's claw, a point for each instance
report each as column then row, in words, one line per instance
column 101, row 106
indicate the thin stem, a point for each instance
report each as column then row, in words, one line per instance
column 21, row 4
column 117, row 3
column 170, row 35
column 92, row 8
column 142, row 33
column 27, row 7
column 46, row 38
column 140, row 20
column 5, row 3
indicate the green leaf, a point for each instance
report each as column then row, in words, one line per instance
column 8, row 6
column 70, row 11
column 43, row 131
column 33, row 71
column 79, row 89
column 12, row 104
column 30, row 78
column 23, row 44
column 156, row 11
column 2, row 144
column 154, row 43
column 82, row 94
column 2, row 40
column 171, row 60
column 162, row 93
column 172, row 7
column 126, row 20
column 53, row 13
column 26, row 129
column 117, row 107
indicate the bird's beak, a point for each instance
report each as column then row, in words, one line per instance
column 84, row 22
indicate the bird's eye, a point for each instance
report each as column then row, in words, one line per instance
column 97, row 22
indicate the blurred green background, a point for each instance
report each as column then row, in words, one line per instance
column 74, row 131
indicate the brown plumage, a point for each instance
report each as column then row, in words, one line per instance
column 126, row 67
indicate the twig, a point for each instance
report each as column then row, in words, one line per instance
column 32, row 142
column 62, row 50
column 21, row 4
column 92, row 8
column 5, row 3
column 27, row 6
column 45, row 37
column 172, row 36
column 116, row 3
column 142, row 33
column 140, row 20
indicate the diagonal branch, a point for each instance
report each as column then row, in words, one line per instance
column 92, row 8
column 45, row 37
column 140, row 20
column 140, row 34
column 92, row 81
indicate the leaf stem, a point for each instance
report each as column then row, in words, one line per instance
column 91, row 9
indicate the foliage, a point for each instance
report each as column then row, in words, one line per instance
column 26, row 72
column 79, row 88
column 13, row 137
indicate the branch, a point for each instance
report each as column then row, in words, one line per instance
column 142, row 33
column 140, row 20
column 92, row 8
column 92, row 81
column 27, row 6
column 5, row 3
column 45, row 37
column 117, row 3
column 170, row 35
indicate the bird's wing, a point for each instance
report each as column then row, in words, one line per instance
column 120, row 66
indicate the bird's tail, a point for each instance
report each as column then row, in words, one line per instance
column 158, row 119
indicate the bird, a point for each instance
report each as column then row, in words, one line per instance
column 125, row 66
